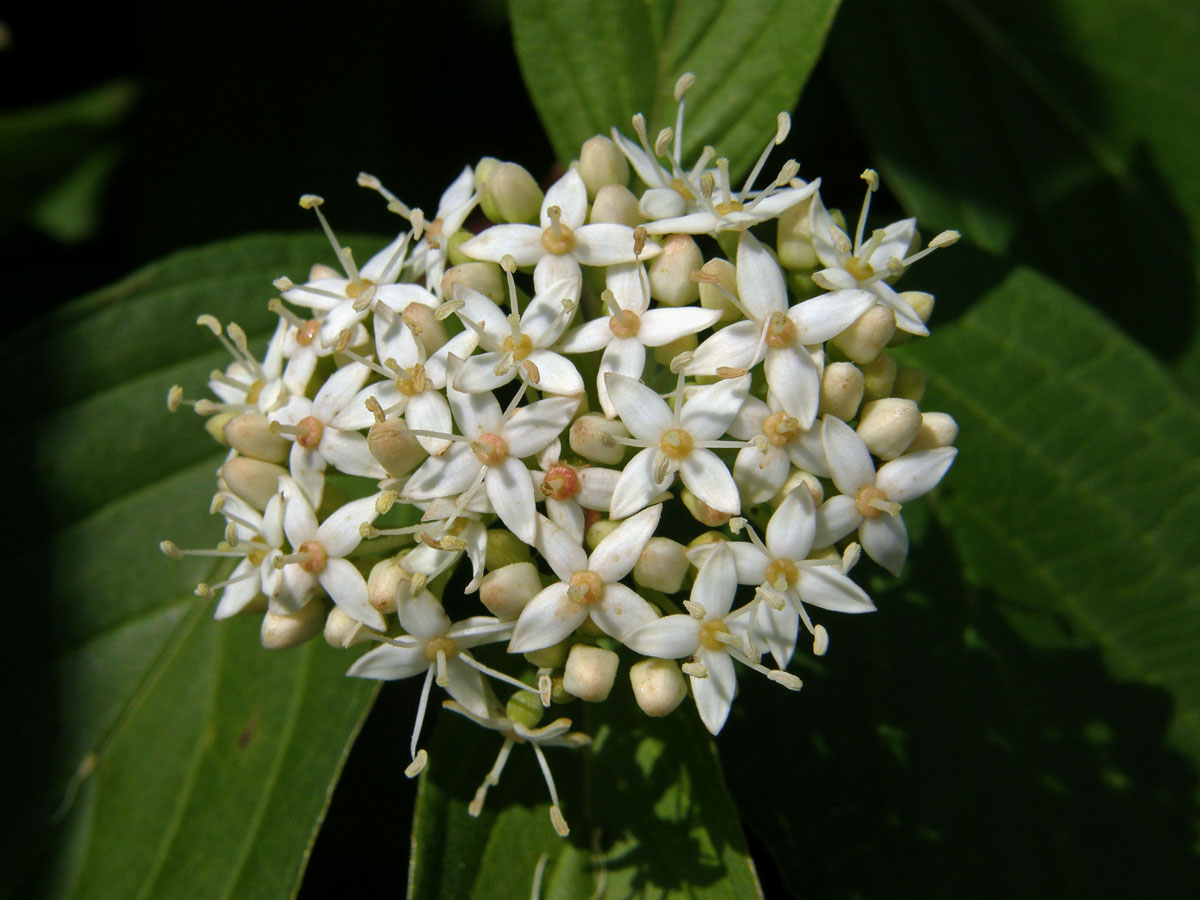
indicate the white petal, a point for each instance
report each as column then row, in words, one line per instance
column 347, row 452
column 849, row 460
column 615, row 556
column 348, row 589
column 307, row 467
column 647, row 167
column 375, row 267
column 661, row 326
column 897, row 238
column 569, row 194
column 554, row 269
column 561, row 550
column 642, row 411
column 636, row 487
column 777, row 629
column 621, row 610
column 706, row 476
column 827, row 588
column 475, row 630
column 914, row 475
column 237, row 596
column 906, row 317
column 709, row 410
column 885, row 540
column 828, row 315
column 716, row 582
column 607, row 244
column 299, row 520
column 671, row 637
column 466, row 686
column 443, row 476
column 355, row 416
column 836, row 518
column 389, row 662
column 338, row 390
column 807, row 452
column 339, row 533
column 522, row 242
column 793, row 525
column 662, row 203
column 630, row 286
column 511, row 492
column 625, row 356
column 430, row 411
column 555, row 374
column 693, row 223
column 750, row 562
column 568, row 516
column 596, row 486
column 396, row 341
column 476, row 414
column 750, row 419
column 759, row 475
column 759, row 280
column 533, row 427
column 839, row 278
column 547, row 619
column 399, row 297
column 479, row 375
column 422, row 616
column 714, row 694
column 587, row 338
column 737, row 346
column 545, row 319
column 795, row 381
column 461, row 346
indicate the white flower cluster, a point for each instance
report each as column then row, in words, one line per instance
column 447, row 385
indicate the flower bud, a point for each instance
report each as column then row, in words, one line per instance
column 508, row 193
column 282, row 631
column 524, row 707
column 615, row 203
column 253, row 480
column 888, row 426
column 793, row 240
column 797, row 478
column 425, row 327
column 879, row 375
column 507, row 590
column 704, row 539
column 394, row 447
column 215, row 426
column 599, row 530
column 666, row 352
column 671, row 271
column 602, row 163
column 868, row 334
column 342, row 632
column 504, row 548
column 658, row 686
column 383, row 584
column 937, row 430
column 910, row 383
column 590, row 672
column 594, row 437
column 551, row 657
column 662, row 565
column 702, row 512
column 249, row 435
column 485, row 277
column 922, row 304
column 712, row 293
column 841, row 390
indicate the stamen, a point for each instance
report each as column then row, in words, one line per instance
column 174, row 397
column 694, row 669
column 491, row 778
column 660, row 142
column 418, row 723
column 820, row 640
column 556, row 816
column 447, row 309
column 500, row 676
column 686, row 80
column 783, row 124
column 787, row 679
column 695, row 610
column 276, row 306
column 871, row 177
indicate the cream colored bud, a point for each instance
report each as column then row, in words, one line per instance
column 667, row 352
column 868, row 335
column 594, row 437
column 888, row 426
column 719, row 277
column 922, row 304
column 937, row 430
column 702, row 512
column 793, row 240
column 551, row 657
column 616, row 204
column 590, row 672
column 602, row 163
column 425, row 326
column 509, row 194
column 703, row 540
column 599, row 530
column 215, row 426
column 879, row 376
column 485, row 277
column 662, row 565
column 658, row 686
column 841, row 390
column 253, row 480
column 383, row 585
column 507, row 590
column 504, row 548
column 394, row 447
column 342, row 632
column 795, row 480
column 910, row 384
column 282, row 631
column 671, row 271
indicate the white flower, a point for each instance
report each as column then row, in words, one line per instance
column 870, row 501
column 562, row 242
column 778, row 335
column 632, row 328
column 777, row 442
column 589, row 585
column 676, row 440
column 569, row 490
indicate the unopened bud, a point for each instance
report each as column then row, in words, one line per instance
column 794, row 238
column 394, row 447
column 801, row 478
column 594, row 437
column 504, row 548
column 664, row 354
column 599, row 530
column 910, row 384
column 671, row 271
column 590, row 673
column 552, row 657
column 248, row 434
column 282, row 631
column 702, row 512
column 507, row 590
column 879, row 375
column 602, row 163
column 719, row 278
column 508, row 193
column 425, row 326
column 704, row 539
column 215, row 426
column 937, row 430
column 525, row 708
column 888, row 426
column 658, row 686
column 922, row 304
column 841, row 390
column 253, row 480
column 616, row 204
column 863, row 340
column 662, row 565
column 383, row 585
column 342, row 632
column 485, row 277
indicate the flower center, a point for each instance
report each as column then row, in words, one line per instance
column 681, row 188
column 558, row 238
column 441, row 644
column 781, row 568
column 308, row 332
column 520, row 347
column 490, row 449
column 709, row 632
column 317, row 557
column 779, row 428
column 561, row 482
column 859, row 268
column 780, row 330
column 356, row 287
column 308, row 432
column 676, row 443
column 625, row 323
column 873, row 502
column 585, row 588
column 728, row 206
column 412, row 381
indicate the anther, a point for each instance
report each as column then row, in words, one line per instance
column 414, row 768
column 639, row 240
column 787, row 679
column 820, row 640
column 447, row 309
column 694, row 669
column 174, row 397
column 681, row 361
column 283, row 284
column 685, row 81
column 171, row 549
column 311, row 201
column 730, row 372
column 695, row 610
column 661, row 142
column 385, row 501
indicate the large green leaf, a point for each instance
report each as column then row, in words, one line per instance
column 591, row 64
column 647, row 806
column 185, row 738
column 1061, row 133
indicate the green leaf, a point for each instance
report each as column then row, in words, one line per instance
column 590, row 65
column 1061, row 134
column 171, row 745
column 647, row 806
